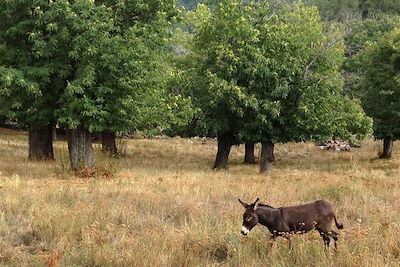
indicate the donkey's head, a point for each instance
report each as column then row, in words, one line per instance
column 250, row 218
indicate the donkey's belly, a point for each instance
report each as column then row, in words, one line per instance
column 293, row 228
column 290, row 231
column 301, row 227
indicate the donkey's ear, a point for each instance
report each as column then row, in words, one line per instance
column 244, row 204
column 256, row 204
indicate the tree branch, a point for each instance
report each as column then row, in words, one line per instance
column 320, row 53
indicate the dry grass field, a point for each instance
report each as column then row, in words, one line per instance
column 164, row 206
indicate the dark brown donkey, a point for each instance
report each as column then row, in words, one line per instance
column 286, row 221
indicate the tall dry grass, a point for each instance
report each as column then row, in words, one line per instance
column 164, row 206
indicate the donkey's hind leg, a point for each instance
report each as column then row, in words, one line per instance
column 334, row 236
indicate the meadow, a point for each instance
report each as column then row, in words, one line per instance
column 161, row 204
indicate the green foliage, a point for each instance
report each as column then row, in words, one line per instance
column 333, row 10
column 360, row 34
column 270, row 76
column 100, row 65
column 26, row 84
column 223, row 42
column 247, row 70
column 123, row 88
column 298, row 84
column 363, row 31
column 369, row 7
column 341, row 10
column 381, row 84
column 346, row 9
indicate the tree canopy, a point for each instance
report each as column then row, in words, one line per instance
column 241, row 71
column 381, row 85
column 94, row 65
column 270, row 76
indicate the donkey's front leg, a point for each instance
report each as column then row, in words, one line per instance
column 287, row 236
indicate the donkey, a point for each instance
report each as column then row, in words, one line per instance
column 286, row 221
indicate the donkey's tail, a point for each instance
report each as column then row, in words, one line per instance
column 338, row 225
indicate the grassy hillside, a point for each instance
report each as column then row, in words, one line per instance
column 164, row 206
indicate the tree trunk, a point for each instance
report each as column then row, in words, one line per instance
column 249, row 153
column 80, row 149
column 41, row 143
column 225, row 142
column 267, row 157
column 387, row 148
column 108, row 142
column 54, row 132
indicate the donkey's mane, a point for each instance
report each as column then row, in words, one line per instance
column 265, row 205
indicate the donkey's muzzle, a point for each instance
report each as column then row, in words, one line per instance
column 244, row 230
